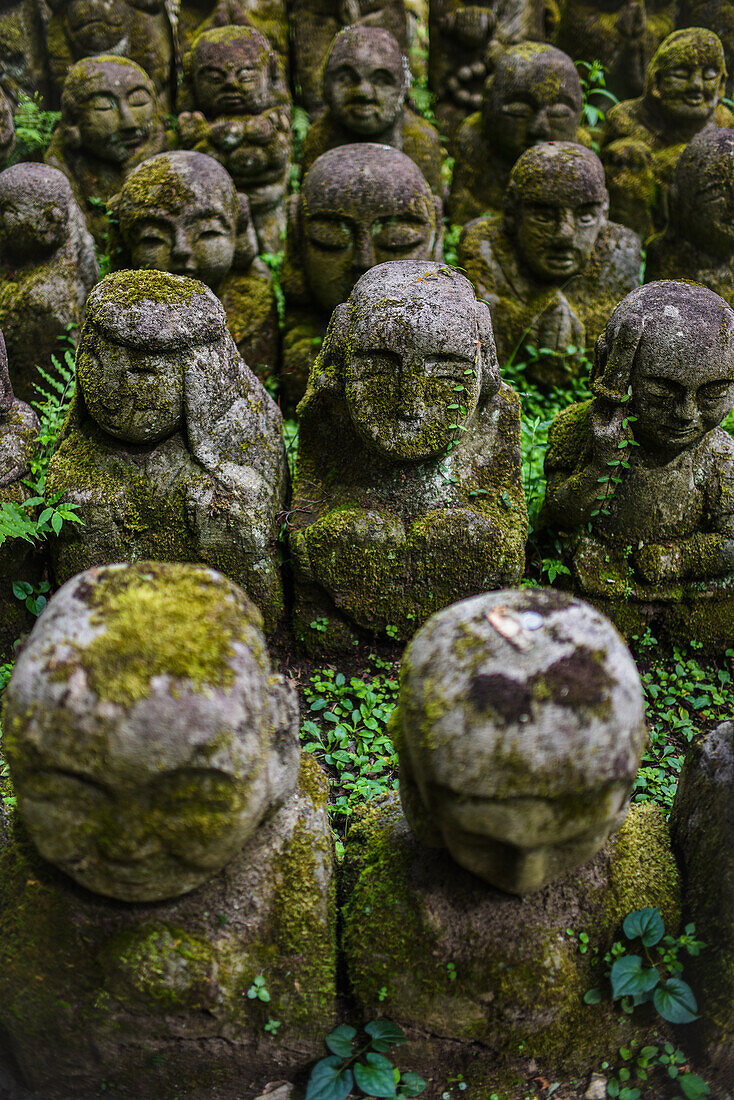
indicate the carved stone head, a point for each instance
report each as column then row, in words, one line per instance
column 533, row 95
column 92, row 26
column 704, row 193
column 40, row 219
column 109, row 109
column 687, row 78
column 146, row 732
column 365, row 80
column 232, row 71
column 180, row 212
column 520, row 729
column 360, row 205
column 555, row 205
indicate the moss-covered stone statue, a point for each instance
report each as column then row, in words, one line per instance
column 408, row 493
column 640, row 480
column 698, row 243
column 18, row 561
column 519, row 728
column 270, row 17
column 23, row 48
column 239, row 113
column 359, row 205
column 534, row 95
column 465, row 40
column 111, row 121
column 314, row 24
column 685, row 83
column 138, row 29
column 365, row 84
column 47, row 268
column 181, row 212
column 7, row 129
column 173, row 450
column 553, row 269
column 169, row 850
column 622, row 34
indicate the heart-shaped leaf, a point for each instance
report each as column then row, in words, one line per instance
column 375, row 1075
column 411, row 1084
column 384, row 1034
column 630, row 978
column 328, row 1081
column 675, row 1001
column 341, row 1040
column 645, row 923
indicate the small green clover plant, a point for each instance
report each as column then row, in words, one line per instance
column 258, row 990
column 362, row 1065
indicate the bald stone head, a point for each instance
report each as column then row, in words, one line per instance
column 704, row 193
column 232, row 71
column 109, row 108
column 38, row 212
column 555, row 205
column 365, row 80
column 92, row 26
column 520, row 729
column 146, row 732
column 533, row 95
column 362, row 205
column 687, row 78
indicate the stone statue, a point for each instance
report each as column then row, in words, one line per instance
column 48, row 266
column 622, row 34
column 717, row 16
column 239, row 114
column 137, row 29
column 110, row 121
column 698, row 242
column 173, row 450
column 269, row 17
column 629, row 170
column 359, row 205
column 7, row 129
column 154, row 752
column 180, row 212
column 685, row 82
column 533, row 96
column 532, row 668
column 464, row 42
column 23, row 48
column 366, row 80
column 553, row 269
column 408, row 493
column 18, row 560
column 640, row 480
column 314, row 24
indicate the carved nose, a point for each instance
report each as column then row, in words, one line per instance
column 182, row 252
column 364, row 252
column 127, row 839
column 539, row 128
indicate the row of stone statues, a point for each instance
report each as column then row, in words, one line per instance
column 186, row 855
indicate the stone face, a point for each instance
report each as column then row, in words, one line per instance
column 180, row 212
column 520, row 729
column 685, row 82
column 7, row 129
column 365, row 85
column 698, row 242
column 702, row 828
column 146, row 734
column 240, row 115
column 533, row 96
column 173, row 450
column 314, row 23
column 270, row 17
column 656, row 547
column 48, row 266
column 111, row 121
column 22, row 48
column 554, row 267
column 359, row 205
column 137, row 29
column 408, row 494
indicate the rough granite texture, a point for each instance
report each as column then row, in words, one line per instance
column 270, row 17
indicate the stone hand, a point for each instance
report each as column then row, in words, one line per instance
column 471, row 25
column 192, row 128
column 558, row 326
column 658, row 563
column 607, row 431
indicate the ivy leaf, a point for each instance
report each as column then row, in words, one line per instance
column 384, row 1034
column 376, row 1077
column 645, row 923
column 411, row 1084
column 341, row 1040
column 328, row 1081
column 630, row 979
column 675, row 1001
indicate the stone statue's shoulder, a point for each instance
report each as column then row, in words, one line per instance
column 567, row 437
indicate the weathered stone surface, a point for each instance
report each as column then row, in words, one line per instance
column 365, row 84
column 137, row 29
column 173, row 450
column 314, row 23
column 7, row 129
column 18, row 561
column 702, row 828
column 47, row 268
column 359, row 205
column 717, row 16
column 239, row 113
column 517, row 978
column 553, row 269
column 408, row 494
column 111, row 120
column 23, row 48
column 698, row 243
column 654, row 544
column 685, row 83
column 180, row 212
column 270, row 17
column 533, row 96
column 520, row 728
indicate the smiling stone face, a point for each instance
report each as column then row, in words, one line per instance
column 364, row 80
column 687, row 77
column 94, row 26
column 112, row 104
column 232, row 70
